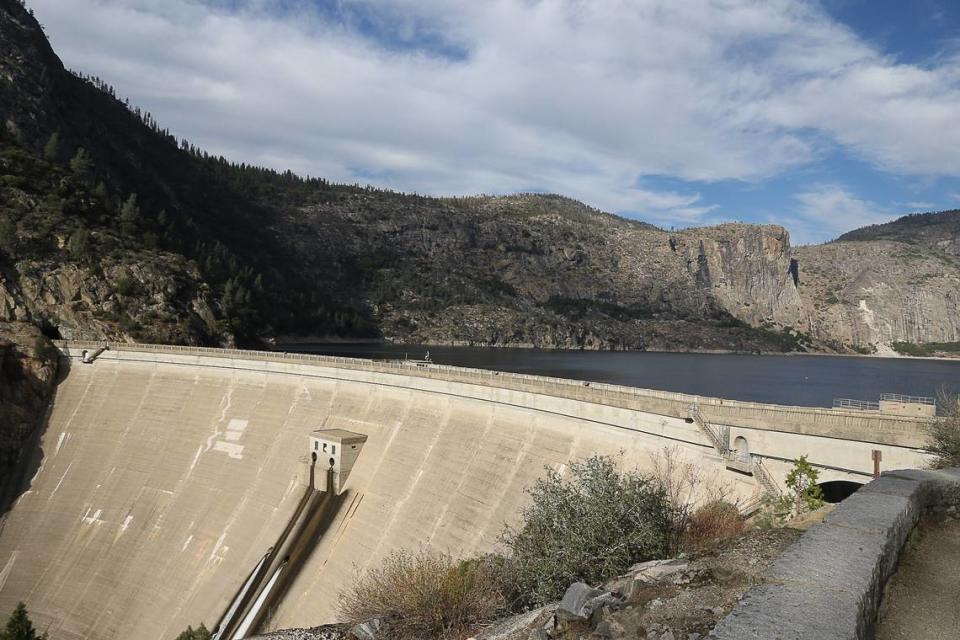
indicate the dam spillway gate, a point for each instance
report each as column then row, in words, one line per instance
column 256, row 600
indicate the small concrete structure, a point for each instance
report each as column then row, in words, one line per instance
column 336, row 449
column 901, row 405
column 894, row 404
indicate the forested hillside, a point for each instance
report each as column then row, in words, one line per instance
column 111, row 227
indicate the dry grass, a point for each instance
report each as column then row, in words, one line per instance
column 688, row 484
column 425, row 595
column 710, row 524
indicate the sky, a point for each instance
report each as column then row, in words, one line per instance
column 821, row 116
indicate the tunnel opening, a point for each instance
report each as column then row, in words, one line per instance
column 838, row 490
column 50, row 331
column 795, row 271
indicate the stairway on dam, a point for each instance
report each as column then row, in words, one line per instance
column 166, row 474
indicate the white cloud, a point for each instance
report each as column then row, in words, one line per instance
column 582, row 98
column 826, row 211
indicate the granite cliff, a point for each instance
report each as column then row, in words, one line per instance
column 898, row 282
column 28, row 369
column 110, row 227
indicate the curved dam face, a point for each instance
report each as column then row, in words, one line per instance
column 166, row 474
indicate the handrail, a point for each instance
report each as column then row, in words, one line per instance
column 712, row 435
column 898, row 397
column 857, row 405
column 766, row 480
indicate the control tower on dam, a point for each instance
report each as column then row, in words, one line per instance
column 166, row 476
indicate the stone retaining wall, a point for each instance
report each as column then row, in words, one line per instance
column 828, row 585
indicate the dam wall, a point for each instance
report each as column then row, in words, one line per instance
column 166, row 472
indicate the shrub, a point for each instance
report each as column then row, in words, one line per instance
column 200, row 633
column 710, row 524
column 127, row 285
column 775, row 511
column 804, row 495
column 944, row 441
column 425, row 595
column 590, row 527
column 44, row 351
column 802, row 482
column 687, row 485
column 19, row 626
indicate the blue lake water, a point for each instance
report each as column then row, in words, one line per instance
column 794, row 379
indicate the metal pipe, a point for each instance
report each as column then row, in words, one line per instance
column 230, row 624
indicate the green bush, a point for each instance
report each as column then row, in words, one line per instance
column 127, row 285
column 803, row 495
column 200, row 633
column 425, row 595
column 589, row 527
column 19, row 626
column 802, row 482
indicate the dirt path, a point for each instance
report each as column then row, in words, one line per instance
column 923, row 598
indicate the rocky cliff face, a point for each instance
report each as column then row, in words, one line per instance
column 153, row 299
column 748, row 269
column 872, row 292
column 28, row 368
column 546, row 271
column 111, row 228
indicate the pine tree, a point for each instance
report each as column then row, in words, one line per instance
column 79, row 244
column 81, row 162
column 101, row 192
column 19, row 626
column 200, row 633
column 8, row 236
column 130, row 215
column 52, row 149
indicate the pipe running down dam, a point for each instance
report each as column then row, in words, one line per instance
column 173, row 485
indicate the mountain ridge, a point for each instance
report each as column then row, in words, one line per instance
column 111, row 228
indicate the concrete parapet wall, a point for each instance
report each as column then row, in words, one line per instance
column 828, row 585
column 896, row 430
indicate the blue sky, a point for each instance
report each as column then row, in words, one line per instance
column 820, row 116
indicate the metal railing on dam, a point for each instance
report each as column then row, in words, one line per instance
column 837, row 422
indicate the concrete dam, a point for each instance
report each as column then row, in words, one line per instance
column 164, row 474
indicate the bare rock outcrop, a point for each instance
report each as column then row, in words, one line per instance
column 28, row 370
column 881, row 291
column 747, row 269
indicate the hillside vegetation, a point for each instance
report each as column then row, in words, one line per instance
column 111, row 227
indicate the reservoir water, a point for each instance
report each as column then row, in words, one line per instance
column 789, row 379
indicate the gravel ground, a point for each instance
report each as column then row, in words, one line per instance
column 923, row 597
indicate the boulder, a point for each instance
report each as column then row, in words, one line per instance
column 657, row 570
column 367, row 630
column 577, row 604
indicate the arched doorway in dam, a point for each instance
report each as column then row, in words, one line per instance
column 838, row 490
column 742, row 449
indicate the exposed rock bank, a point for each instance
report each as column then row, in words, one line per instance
column 28, row 370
